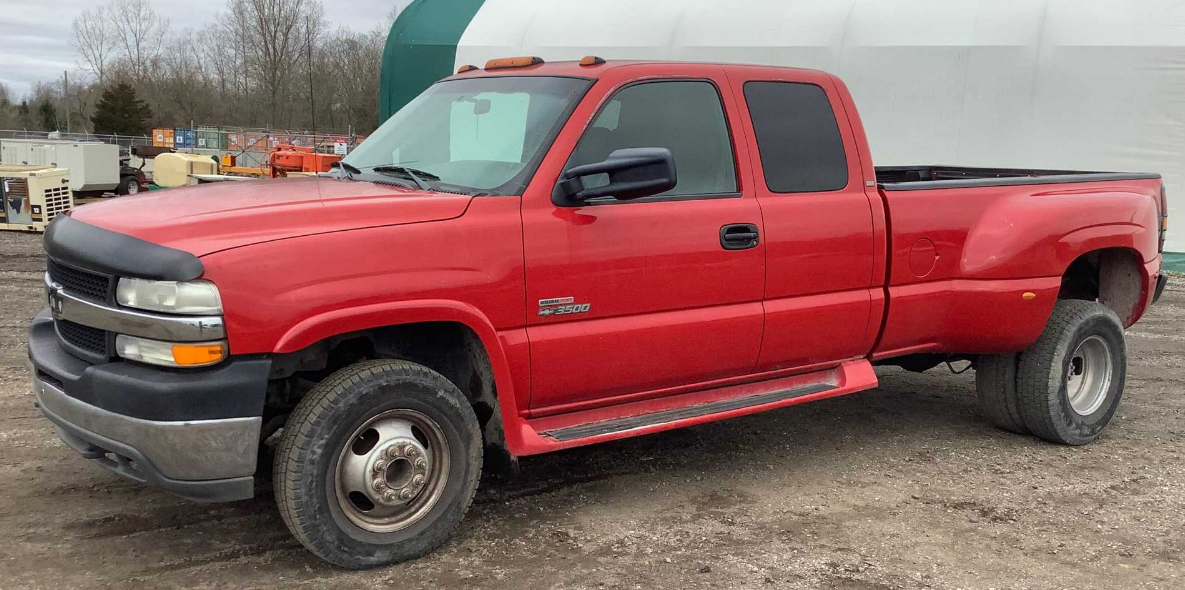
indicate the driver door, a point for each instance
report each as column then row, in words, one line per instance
column 641, row 298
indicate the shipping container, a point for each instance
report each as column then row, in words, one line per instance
column 210, row 139
column 183, row 138
column 162, row 137
column 256, row 142
column 235, row 141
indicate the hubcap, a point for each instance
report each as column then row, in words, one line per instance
column 133, row 188
column 1089, row 376
column 392, row 471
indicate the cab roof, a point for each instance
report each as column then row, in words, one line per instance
column 581, row 69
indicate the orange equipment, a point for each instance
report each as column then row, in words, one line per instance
column 294, row 158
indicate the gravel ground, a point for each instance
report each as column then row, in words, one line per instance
column 899, row 487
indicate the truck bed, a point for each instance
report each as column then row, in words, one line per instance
column 912, row 178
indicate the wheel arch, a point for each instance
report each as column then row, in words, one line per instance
column 1113, row 275
column 452, row 338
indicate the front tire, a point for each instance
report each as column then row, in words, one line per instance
column 1070, row 381
column 378, row 464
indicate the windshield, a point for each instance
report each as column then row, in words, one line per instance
column 475, row 135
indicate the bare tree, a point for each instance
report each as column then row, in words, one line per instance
column 277, row 32
column 261, row 63
column 139, row 32
column 93, row 41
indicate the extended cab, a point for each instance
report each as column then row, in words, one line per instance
column 531, row 257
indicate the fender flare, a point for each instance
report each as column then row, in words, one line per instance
column 335, row 322
column 1099, row 237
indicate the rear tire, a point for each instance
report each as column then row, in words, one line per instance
column 995, row 386
column 378, row 464
column 1070, row 381
column 128, row 185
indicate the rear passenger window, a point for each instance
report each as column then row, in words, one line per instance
column 685, row 117
column 797, row 137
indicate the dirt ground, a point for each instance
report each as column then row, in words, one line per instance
column 900, row 487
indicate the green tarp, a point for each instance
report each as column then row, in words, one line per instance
column 421, row 49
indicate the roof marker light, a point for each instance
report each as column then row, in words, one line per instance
column 591, row 60
column 513, row 62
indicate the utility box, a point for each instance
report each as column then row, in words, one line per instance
column 32, row 196
column 93, row 166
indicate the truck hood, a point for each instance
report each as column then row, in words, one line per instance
column 208, row 218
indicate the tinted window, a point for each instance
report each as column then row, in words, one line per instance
column 801, row 150
column 684, row 117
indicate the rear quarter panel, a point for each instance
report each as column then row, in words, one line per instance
column 963, row 259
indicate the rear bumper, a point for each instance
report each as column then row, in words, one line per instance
column 167, row 455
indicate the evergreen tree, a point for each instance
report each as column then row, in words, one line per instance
column 23, row 116
column 48, row 116
column 120, row 112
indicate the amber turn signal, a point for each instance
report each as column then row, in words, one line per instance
column 513, row 62
column 188, row 355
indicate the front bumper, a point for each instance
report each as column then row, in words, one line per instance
column 194, row 433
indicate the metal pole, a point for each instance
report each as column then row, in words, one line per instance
column 66, row 97
column 312, row 105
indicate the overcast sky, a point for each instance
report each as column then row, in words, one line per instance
column 35, row 34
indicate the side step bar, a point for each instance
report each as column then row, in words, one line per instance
column 542, row 434
column 676, row 414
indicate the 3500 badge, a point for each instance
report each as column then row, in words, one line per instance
column 561, row 306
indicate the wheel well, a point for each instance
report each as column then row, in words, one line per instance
column 1110, row 276
column 449, row 348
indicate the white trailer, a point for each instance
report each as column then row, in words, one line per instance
column 93, row 166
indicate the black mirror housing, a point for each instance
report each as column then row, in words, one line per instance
column 633, row 173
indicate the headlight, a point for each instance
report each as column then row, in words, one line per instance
column 186, row 297
column 170, row 354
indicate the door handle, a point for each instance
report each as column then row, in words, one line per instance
column 739, row 236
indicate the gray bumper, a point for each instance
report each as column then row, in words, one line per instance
column 205, row 460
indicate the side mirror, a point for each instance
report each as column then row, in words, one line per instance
column 633, row 173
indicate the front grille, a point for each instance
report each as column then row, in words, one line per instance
column 80, row 283
column 85, row 338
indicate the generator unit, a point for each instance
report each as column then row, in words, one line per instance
column 33, row 196
column 93, row 166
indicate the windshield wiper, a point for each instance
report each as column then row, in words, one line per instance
column 348, row 170
column 417, row 176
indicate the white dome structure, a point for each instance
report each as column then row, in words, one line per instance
column 1078, row 84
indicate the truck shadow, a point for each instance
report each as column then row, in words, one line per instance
column 906, row 412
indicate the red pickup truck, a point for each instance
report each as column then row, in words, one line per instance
column 530, row 257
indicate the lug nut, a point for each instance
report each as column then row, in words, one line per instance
column 390, row 498
column 413, row 452
column 405, row 494
column 417, row 481
column 421, row 464
column 393, row 451
column 378, row 485
column 380, row 465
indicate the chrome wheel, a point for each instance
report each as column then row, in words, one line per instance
column 134, row 188
column 1089, row 376
column 392, row 471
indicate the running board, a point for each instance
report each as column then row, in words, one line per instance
column 529, row 436
column 677, row 414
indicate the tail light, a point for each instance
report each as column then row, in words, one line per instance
column 1164, row 218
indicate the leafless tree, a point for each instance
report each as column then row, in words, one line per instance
column 93, row 41
column 251, row 67
column 139, row 32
